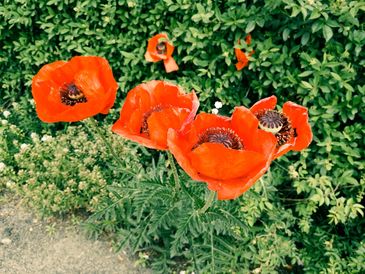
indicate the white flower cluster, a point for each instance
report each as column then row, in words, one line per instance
column 217, row 105
column 46, row 138
column 23, row 147
column 6, row 113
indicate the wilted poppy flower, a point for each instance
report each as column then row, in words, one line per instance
column 290, row 126
column 74, row 90
column 159, row 48
column 229, row 154
column 241, row 56
column 151, row 108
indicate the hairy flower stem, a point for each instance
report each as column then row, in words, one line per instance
column 208, row 202
column 174, row 170
column 109, row 145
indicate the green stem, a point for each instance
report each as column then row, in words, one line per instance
column 109, row 145
column 174, row 170
column 208, row 202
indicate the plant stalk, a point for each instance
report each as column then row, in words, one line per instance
column 109, row 145
column 174, row 170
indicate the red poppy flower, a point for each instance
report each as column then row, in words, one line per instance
column 229, row 154
column 159, row 48
column 290, row 126
column 74, row 90
column 151, row 108
column 241, row 56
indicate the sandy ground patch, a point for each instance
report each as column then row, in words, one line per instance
column 30, row 245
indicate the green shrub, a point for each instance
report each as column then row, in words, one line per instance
column 66, row 172
column 306, row 215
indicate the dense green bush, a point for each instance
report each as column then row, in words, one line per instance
column 306, row 215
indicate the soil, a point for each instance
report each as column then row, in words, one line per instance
column 31, row 245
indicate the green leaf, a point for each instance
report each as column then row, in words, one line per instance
column 305, row 38
column 305, row 73
column 336, row 76
column 250, row 26
column 315, row 14
column 348, row 87
column 286, row 33
column 317, row 26
column 306, row 85
column 327, row 32
column 127, row 55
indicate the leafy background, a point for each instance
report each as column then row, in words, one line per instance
column 305, row 216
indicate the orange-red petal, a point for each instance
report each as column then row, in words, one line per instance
column 42, row 84
column 240, row 65
column 150, row 58
column 241, row 58
column 170, row 65
column 165, row 93
column 219, row 162
column 234, row 188
column 180, row 148
column 298, row 116
column 137, row 103
column 244, row 121
column 283, row 149
column 159, row 123
column 248, row 39
column 109, row 84
column 264, row 104
column 142, row 140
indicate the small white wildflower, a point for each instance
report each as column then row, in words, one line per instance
column 215, row 111
column 31, row 101
column 34, row 136
column 182, row 272
column 2, row 166
column 131, row 4
column 4, row 122
column 46, row 138
column 24, row 147
column 10, row 184
column 293, row 173
column 218, row 104
column 310, row 2
column 6, row 113
column 82, row 185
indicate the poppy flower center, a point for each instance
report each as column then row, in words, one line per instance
column 71, row 95
column 161, row 48
column 276, row 123
column 220, row 135
column 144, row 127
